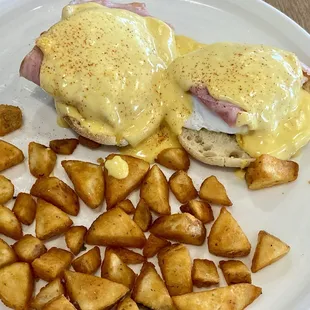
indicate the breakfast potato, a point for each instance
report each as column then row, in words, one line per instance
column 143, row 216
column 64, row 146
column 11, row 119
column 127, row 206
column 214, row 192
column 60, row 303
column 200, row 209
column 89, row 143
column 114, row 269
column 74, row 238
column 7, row 256
column 28, row 248
column 127, row 256
column 16, row 285
column 25, row 208
column 52, row 264
column 183, row 228
column 235, row 271
column 50, row 221
column 176, row 266
column 103, row 230
column 155, row 191
column 204, row 273
column 88, row 262
column 174, row 158
column 10, row 155
column 150, row 290
column 234, row 297
column 57, row 193
column 9, row 224
column 90, row 292
column 153, row 245
column 269, row 249
column 41, row 159
column 47, row 293
column 267, row 171
column 118, row 189
column 182, row 186
column 226, row 237
column 6, row 189
column 127, row 304
column 88, row 181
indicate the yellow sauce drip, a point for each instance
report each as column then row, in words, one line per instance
column 62, row 123
column 117, row 167
column 240, row 174
column 186, row 45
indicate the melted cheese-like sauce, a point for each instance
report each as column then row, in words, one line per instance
column 117, row 167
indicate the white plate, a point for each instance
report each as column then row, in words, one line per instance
column 283, row 211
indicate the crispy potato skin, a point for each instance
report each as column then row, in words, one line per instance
column 88, row 262
column 9, row 224
column 174, row 158
column 6, row 189
column 127, row 256
column 60, row 303
column 7, row 256
column 235, row 272
column 11, row 119
column 74, row 238
column 204, row 273
column 89, row 143
column 143, row 216
column 25, row 208
column 10, row 155
column 200, row 209
column 153, row 245
column 127, row 206
column 127, row 304
column 64, row 146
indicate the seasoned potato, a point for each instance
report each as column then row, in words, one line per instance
column 10, row 155
column 89, row 143
column 90, row 292
column 28, row 248
column 204, row 273
column 88, row 262
column 88, row 181
column 269, row 249
column 6, row 189
column 182, row 186
column 11, row 118
column 25, row 208
column 150, row 289
column 9, row 224
column 52, row 264
column 153, row 245
column 127, row 256
column 103, row 230
column 60, row 303
column 200, row 209
column 267, row 171
column 143, row 216
column 57, row 193
column 176, row 266
column 174, row 158
column 155, row 191
column 226, row 237
column 74, row 238
column 235, row 271
column 127, row 206
column 213, row 191
column 183, row 228
column 7, row 255
column 64, row 146
column 50, row 221
column 127, row 304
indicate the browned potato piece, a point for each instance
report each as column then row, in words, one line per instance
column 118, row 189
column 234, row 297
column 89, row 143
column 155, row 191
column 182, row 186
column 52, row 264
column 74, row 238
column 213, row 191
column 88, row 262
column 235, row 271
column 64, row 146
column 25, row 208
column 88, row 181
column 153, row 245
column 200, row 209
column 9, row 224
column 183, row 228
column 103, row 230
column 226, row 237
column 150, row 289
column 127, row 206
column 267, row 171
column 6, row 189
column 16, row 285
column 90, row 292
column 28, row 248
column 7, row 255
column 50, row 221
column 127, row 304
column 11, row 118
column 114, row 269
column 143, row 216
column 269, row 249
column 60, row 303
column 10, row 155
column 57, row 193
column 127, row 256
column 204, row 273
column 174, row 158
column 48, row 293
